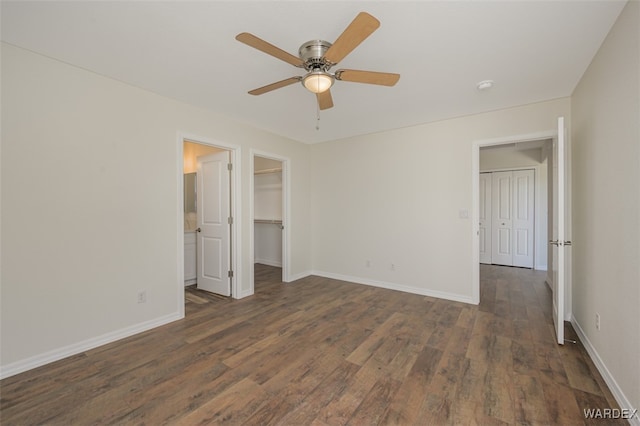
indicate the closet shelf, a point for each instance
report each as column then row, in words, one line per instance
column 269, row 221
column 266, row 171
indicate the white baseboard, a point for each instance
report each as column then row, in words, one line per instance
column 541, row 267
column 269, row 262
column 399, row 287
column 299, row 276
column 618, row 394
column 244, row 294
column 57, row 354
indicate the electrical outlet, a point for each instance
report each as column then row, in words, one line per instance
column 597, row 321
column 142, row 296
column 393, row 267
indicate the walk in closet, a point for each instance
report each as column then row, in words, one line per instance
column 267, row 192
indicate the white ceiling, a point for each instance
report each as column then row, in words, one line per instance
column 534, row 50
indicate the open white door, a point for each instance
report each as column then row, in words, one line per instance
column 213, row 213
column 558, row 242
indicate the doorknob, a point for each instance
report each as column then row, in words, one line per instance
column 198, row 230
column 560, row 243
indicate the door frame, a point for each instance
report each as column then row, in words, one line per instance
column 475, row 201
column 286, row 215
column 235, row 152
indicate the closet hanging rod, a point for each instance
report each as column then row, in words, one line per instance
column 265, row 171
column 269, row 221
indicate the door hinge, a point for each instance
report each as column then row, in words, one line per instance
column 230, row 274
column 230, row 220
column 229, row 166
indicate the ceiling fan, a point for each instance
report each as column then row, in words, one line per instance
column 317, row 57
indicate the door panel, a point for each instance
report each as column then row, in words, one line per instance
column 213, row 211
column 484, row 231
column 504, row 242
column 522, row 243
column 523, row 223
column 558, row 246
column 502, row 219
column 212, row 251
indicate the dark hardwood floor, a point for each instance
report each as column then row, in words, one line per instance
column 326, row 352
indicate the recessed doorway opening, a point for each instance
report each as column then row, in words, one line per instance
column 270, row 218
column 208, row 217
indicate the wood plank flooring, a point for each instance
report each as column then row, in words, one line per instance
column 326, row 352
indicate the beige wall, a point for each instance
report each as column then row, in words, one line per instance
column 395, row 198
column 90, row 213
column 606, row 203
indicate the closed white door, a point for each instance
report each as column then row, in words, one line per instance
column 512, row 224
column 214, row 229
column 484, row 232
column 523, row 223
column 502, row 221
column 558, row 242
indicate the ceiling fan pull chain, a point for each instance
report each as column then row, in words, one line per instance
column 317, row 117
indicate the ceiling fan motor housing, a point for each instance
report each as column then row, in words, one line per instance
column 312, row 54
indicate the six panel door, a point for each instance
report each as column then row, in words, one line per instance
column 512, row 218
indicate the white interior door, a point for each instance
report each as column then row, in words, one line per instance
column 558, row 242
column 213, row 213
column 523, row 217
column 502, row 220
column 484, row 232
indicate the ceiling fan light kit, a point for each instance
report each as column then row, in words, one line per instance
column 318, row 81
column 318, row 56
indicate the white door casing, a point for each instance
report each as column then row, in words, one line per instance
column 484, row 232
column 558, row 243
column 523, row 218
column 502, row 222
column 213, row 214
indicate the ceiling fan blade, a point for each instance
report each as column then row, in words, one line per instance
column 269, row 49
column 325, row 101
column 359, row 29
column 274, row 86
column 369, row 77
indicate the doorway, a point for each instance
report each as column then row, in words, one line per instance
column 502, row 158
column 270, row 218
column 220, row 263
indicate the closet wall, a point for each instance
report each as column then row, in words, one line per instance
column 267, row 205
